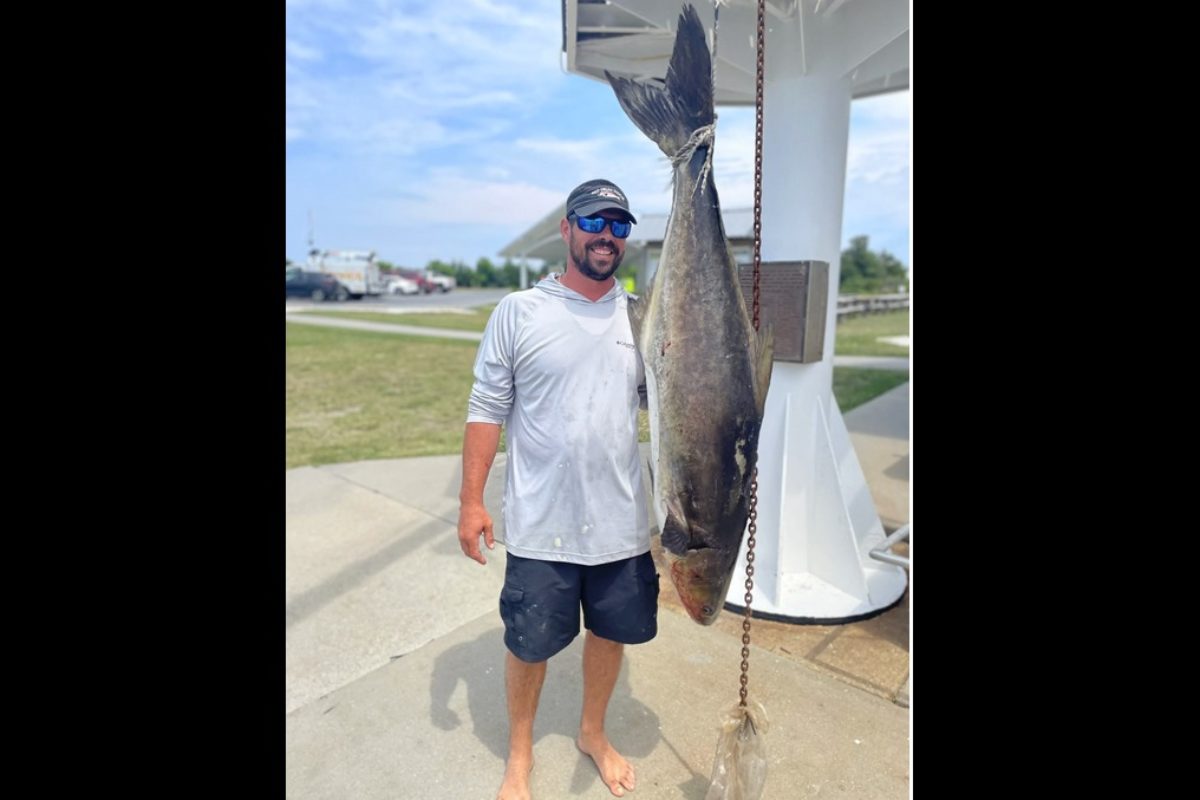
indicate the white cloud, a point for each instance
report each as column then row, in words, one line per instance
column 579, row 149
column 878, row 158
column 442, row 68
column 733, row 157
column 297, row 96
column 879, row 142
column 449, row 197
column 878, row 173
column 302, row 52
column 448, row 45
column 403, row 118
column 892, row 109
column 879, row 145
column 409, row 96
column 515, row 13
column 395, row 135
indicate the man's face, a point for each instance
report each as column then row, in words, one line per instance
column 596, row 255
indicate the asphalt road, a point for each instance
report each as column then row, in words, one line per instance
column 455, row 298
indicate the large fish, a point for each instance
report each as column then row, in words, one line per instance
column 707, row 371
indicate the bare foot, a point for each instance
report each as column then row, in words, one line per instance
column 615, row 771
column 516, row 780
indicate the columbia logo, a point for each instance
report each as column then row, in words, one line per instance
column 626, row 344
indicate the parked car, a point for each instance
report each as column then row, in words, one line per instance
column 400, row 285
column 317, row 286
column 424, row 285
column 444, row 283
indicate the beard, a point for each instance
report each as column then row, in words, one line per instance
column 583, row 259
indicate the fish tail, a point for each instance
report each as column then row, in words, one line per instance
column 670, row 113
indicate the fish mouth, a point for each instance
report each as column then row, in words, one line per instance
column 701, row 579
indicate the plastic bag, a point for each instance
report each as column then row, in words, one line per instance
column 740, row 769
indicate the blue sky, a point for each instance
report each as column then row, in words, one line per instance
column 426, row 129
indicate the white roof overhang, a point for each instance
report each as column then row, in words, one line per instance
column 635, row 38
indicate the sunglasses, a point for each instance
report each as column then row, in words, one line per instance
column 620, row 228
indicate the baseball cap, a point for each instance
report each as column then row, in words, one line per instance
column 597, row 195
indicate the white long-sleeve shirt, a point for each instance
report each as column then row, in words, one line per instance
column 564, row 375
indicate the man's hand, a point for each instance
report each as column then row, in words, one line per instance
column 473, row 520
column 479, row 448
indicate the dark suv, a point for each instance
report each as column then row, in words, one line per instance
column 318, row 286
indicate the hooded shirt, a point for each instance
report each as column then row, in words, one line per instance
column 563, row 374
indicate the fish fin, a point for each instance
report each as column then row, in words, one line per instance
column 764, row 355
column 636, row 307
column 675, row 538
column 668, row 111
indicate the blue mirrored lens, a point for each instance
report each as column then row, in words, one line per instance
column 591, row 224
column 620, row 228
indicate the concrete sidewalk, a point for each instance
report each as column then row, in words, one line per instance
column 395, row 656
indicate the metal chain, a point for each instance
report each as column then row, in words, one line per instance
column 758, row 148
column 758, row 145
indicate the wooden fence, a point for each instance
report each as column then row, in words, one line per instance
column 851, row 304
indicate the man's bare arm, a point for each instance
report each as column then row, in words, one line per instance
column 480, row 442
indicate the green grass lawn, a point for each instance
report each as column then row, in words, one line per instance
column 852, row 387
column 856, row 336
column 357, row 395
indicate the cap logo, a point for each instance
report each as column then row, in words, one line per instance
column 604, row 191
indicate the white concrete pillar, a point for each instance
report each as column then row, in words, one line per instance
column 816, row 519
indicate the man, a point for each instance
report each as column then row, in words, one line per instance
column 558, row 365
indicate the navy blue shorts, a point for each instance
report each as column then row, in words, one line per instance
column 540, row 603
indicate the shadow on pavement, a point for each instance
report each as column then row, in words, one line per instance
column 632, row 726
column 360, row 572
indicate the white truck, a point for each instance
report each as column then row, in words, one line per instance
column 444, row 282
column 354, row 269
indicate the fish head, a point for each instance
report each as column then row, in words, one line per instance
column 702, row 578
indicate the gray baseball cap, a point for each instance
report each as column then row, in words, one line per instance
column 597, row 195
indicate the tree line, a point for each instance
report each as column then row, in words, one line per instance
column 483, row 274
column 863, row 271
column 867, row 272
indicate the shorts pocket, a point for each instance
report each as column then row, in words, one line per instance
column 643, row 616
column 510, row 603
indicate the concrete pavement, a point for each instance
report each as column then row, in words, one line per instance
column 394, row 684
column 385, row 327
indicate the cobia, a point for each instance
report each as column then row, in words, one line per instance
column 707, row 371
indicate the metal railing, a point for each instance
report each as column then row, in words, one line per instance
column 884, row 551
